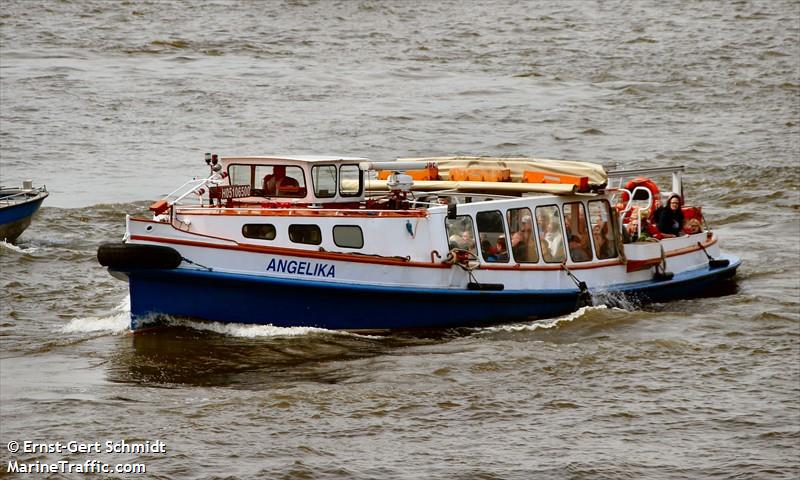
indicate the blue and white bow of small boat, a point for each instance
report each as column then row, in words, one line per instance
column 17, row 207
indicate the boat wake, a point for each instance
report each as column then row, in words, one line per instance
column 582, row 312
column 18, row 249
column 612, row 299
column 117, row 322
column 241, row 330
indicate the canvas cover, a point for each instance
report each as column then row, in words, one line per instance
column 518, row 165
column 506, row 188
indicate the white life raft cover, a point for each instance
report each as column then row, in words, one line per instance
column 518, row 165
column 372, row 185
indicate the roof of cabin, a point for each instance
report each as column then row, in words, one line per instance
column 295, row 158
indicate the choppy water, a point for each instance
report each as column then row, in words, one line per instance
column 112, row 104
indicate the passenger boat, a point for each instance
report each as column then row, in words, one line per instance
column 17, row 206
column 345, row 243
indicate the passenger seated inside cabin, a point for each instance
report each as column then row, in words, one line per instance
column 488, row 251
column 277, row 183
column 550, row 236
column 578, row 250
column 459, row 234
column 669, row 217
column 469, row 240
column 456, row 242
column 502, row 249
column 603, row 241
column 522, row 243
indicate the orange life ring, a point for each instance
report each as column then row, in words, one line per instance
column 640, row 182
column 649, row 184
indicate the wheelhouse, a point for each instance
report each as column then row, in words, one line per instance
column 313, row 181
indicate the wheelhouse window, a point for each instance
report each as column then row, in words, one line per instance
column 307, row 234
column 605, row 245
column 324, row 179
column 523, row 238
column 460, row 233
column 348, row 236
column 580, row 247
column 351, row 182
column 241, row 174
column 551, row 234
column 494, row 245
column 260, row 231
column 270, row 180
column 281, row 180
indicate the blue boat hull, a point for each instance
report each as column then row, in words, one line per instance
column 14, row 219
column 249, row 299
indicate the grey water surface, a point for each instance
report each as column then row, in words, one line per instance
column 112, row 104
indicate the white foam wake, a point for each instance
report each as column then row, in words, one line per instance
column 18, row 249
column 543, row 324
column 250, row 331
column 118, row 321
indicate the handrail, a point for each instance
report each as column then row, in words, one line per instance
column 186, row 183
column 193, row 186
column 34, row 192
column 201, row 183
column 395, row 166
column 645, row 171
column 676, row 171
column 629, row 206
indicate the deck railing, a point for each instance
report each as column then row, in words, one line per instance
column 21, row 196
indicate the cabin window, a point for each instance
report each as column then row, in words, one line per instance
column 260, row 231
column 351, row 181
column 551, row 235
column 494, row 245
column 348, row 236
column 578, row 241
column 308, row 234
column 241, row 174
column 324, row 180
column 523, row 237
column 460, row 233
column 279, row 181
column 605, row 245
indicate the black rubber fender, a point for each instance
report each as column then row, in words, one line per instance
column 132, row 256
